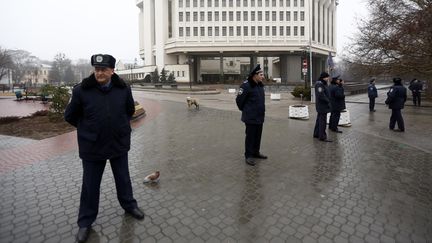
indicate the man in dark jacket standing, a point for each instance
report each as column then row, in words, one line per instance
column 396, row 98
column 337, row 102
column 101, row 108
column 322, row 105
column 251, row 101
column 416, row 87
column 372, row 94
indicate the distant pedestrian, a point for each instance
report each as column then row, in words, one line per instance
column 372, row 94
column 101, row 108
column 416, row 87
column 251, row 101
column 323, row 106
column 396, row 98
column 337, row 102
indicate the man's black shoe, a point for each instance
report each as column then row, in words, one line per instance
column 326, row 140
column 260, row 156
column 250, row 161
column 83, row 234
column 338, row 131
column 136, row 213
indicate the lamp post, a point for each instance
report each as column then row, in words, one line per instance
column 310, row 52
column 190, row 61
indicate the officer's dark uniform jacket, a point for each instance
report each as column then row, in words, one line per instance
column 416, row 86
column 337, row 97
column 396, row 97
column 251, row 101
column 101, row 117
column 372, row 91
column 322, row 101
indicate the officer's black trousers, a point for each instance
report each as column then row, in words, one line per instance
column 253, row 139
column 320, row 126
column 396, row 116
column 371, row 103
column 416, row 98
column 92, row 176
column 334, row 120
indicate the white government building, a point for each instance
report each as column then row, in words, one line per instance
column 209, row 41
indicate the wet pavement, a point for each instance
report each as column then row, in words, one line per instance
column 9, row 106
column 369, row 185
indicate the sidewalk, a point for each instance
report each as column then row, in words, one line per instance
column 370, row 185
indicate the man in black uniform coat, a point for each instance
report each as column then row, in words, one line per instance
column 396, row 98
column 251, row 101
column 101, row 108
column 322, row 104
column 416, row 87
column 337, row 102
column 372, row 94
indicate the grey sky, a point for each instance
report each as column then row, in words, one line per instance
column 80, row 28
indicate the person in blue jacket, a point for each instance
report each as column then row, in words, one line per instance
column 101, row 108
column 251, row 101
column 396, row 98
column 372, row 94
column 323, row 106
column 337, row 102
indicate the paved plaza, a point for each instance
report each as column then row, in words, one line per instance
column 369, row 185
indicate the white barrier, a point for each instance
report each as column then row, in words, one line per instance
column 232, row 91
column 344, row 119
column 299, row 112
column 274, row 96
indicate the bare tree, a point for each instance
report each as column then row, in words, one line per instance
column 6, row 62
column 24, row 64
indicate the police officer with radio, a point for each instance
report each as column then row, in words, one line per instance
column 322, row 105
column 396, row 98
column 101, row 108
column 251, row 101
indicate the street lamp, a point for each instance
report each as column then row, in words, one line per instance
column 190, row 61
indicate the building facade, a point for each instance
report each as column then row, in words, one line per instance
column 219, row 40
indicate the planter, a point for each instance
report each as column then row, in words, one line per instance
column 299, row 112
column 344, row 119
column 275, row 96
column 231, row 91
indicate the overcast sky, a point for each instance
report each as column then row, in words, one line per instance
column 80, row 28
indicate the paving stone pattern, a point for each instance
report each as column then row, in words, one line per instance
column 361, row 188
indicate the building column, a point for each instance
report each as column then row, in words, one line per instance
column 221, row 72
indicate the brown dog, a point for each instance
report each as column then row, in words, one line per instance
column 192, row 101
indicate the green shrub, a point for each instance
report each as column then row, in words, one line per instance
column 302, row 90
column 59, row 102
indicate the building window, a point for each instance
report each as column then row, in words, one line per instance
column 216, row 3
column 273, row 15
column 288, row 16
column 301, row 3
column 288, row 3
column 274, row 31
column 209, row 3
column 295, row 30
column 259, row 30
column 202, row 17
column 195, row 16
column 295, row 3
column 217, row 31
column 180, row 16
column 238, row 14
column 201, row 3
column 288, row 30
column 231, row 16
column 259, row 16
column 245, row 16
column 224, row 31
column 181, row 31
column 187, row 16
column 245, row 31
column 180, row 3
column 267, row 15
column 302, row 31
column 273, row 3
column 224, row 17
column 295, row 16
column 216, row 16
column 202, row 29
column 267, row 3
column 231, row 31
column 302, row 15
column 238, row 2
column 253, row 16
column 281, row 16
column 252, row 3
column 187, row 31
column 183, row 73
column 281, row 3
column 252, row 30
column 209, row 31
column 170, row 17
column 231, row 3
column 187, row 3
column 267, row 30
column 281, row 30
column 259, row 3
column 245, row 3
column 195, row 31
column 209, row 16
column 238, row 31
column 223, row 3
column 195, row 3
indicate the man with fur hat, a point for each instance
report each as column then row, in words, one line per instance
column 322, row 105
column 396, row 98
column 251, row 101
column 337, row 102
column 101, row 108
